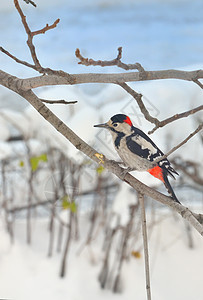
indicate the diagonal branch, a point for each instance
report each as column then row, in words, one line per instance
column 59, row 73
column 185, row 167
column 17, row 59
column 176, row 117
column 198, row 82
column 199, row 128
column 138, row 98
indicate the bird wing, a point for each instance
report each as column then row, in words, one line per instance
column 140, row 144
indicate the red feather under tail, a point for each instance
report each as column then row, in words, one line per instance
column 161, row 174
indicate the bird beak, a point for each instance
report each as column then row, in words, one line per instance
column 105, row 125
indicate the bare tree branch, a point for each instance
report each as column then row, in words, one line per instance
column 59, row 77
column 58, row 101
column 199, row 128
column 189, row 168
column 143, row 75
column 22, row 62
column 198, row 83
column 138, row 98
column 37, row 66
column 176, row 117
column 106, row 63
column 83, row 78
column 30, row 37
column 46, row 28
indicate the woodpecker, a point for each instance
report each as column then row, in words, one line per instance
column 138, row 151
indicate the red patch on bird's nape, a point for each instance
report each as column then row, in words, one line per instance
column 128, row 121
column 157, row 172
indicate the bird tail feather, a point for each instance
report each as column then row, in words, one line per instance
column 169, row 188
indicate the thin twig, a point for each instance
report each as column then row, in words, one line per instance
column 48, row 71
column 46, row 28
column 185, row 166
column 17, row 59
column 138, row 98
column 30, row 36
column 199, row 128
column 145, row 244
column 58, row 101
column 31, row 2
column 176, row 117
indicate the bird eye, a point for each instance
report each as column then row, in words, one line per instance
column 115, row 124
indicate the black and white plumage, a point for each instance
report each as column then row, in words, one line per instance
column 138, row 151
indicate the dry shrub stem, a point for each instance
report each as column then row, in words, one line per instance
column 145, row 244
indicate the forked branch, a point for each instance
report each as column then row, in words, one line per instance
column 158, row 124
column 30, row 36
column 107, row 63
column 176, row 117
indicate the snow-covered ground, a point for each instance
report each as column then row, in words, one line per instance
column 27, row 273
column 159, row 35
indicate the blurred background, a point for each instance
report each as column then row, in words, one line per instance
column 68, row 227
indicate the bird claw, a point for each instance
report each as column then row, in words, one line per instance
column 125, row 171
column 114, row 163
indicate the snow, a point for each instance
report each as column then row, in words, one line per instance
column 4, row 133
column 122, row 203
column 159, row 35
column 26, row 272
column 5, row 150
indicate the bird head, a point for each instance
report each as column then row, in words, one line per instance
column 118, row 124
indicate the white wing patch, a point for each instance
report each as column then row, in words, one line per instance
column 144, row 144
